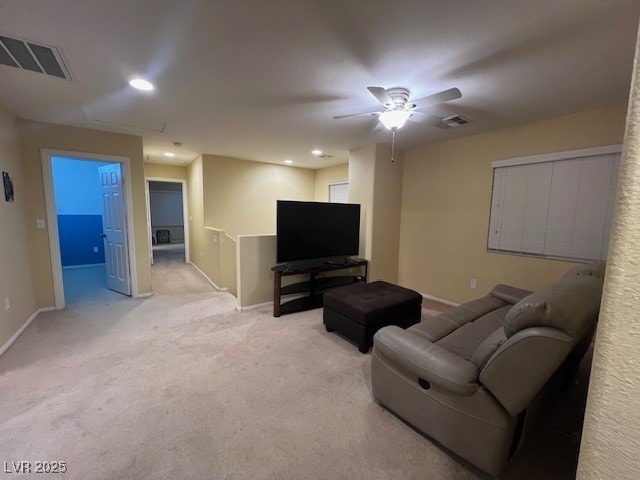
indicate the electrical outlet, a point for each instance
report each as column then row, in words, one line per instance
column 40, row 223
column 7, row 304
column 473, row 283
column 95, row 249
column 215, row 240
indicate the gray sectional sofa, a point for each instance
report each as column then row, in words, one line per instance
column 472, row 377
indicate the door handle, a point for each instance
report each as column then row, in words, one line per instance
column 102, row 235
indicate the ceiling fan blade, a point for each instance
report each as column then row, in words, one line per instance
column 380, row 94
column 440, row 97
column 378, row 128
column 368, row 112
column 431, row 120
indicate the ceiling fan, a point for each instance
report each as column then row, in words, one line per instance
column 397, row 108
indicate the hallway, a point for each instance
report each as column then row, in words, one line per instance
column 172, row 276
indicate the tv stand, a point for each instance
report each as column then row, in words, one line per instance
column 315, row 286
column 334, row 263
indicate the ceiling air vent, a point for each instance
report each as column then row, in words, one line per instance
column 32, row 56
column 453, row 121
column 325, row 155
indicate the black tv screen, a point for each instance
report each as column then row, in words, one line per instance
column 309, row 230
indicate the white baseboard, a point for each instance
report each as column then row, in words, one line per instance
column 213, row 284
column 15, row 336
column 83, row 266
column 253, row 307
column 144, row 295
column 438, row 299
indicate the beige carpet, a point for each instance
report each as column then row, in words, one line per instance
column 87, row 284
column 184, row 386
column 171, row 276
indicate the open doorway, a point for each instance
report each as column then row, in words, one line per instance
column 168, row 231
column 88, row 211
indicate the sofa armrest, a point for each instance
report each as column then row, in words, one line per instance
column 427, row 360
column 509, row 294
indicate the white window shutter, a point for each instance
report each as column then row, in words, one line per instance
column 339, row 192
column 536, row 208
column 560, row 207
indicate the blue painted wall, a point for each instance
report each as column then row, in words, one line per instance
column 79, row 208
column 78, row 237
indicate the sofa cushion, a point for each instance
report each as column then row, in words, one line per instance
column 465, row 340
column 435, row 328
column 372, row 302
column 571, row 305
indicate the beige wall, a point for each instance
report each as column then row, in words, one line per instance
column 376, row 184
column 159, row 170
column 200, row 239
column 16, row 282
column 446, row 200
column 361, row 161
column 256, row 256
column 325, row 176
column 240, row 196
column 611, row 433
column 387, row 202
column 35, row 136
column 228, row 263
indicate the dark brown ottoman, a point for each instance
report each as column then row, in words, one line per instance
column 360, row 310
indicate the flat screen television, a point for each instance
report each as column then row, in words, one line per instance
column 313, row 230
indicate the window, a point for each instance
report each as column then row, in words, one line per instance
column 339, row 192
column 558, row 205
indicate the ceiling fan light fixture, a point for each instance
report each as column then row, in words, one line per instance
column 394, row 119
column 141, row 84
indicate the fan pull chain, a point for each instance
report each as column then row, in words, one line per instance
column 393, row 143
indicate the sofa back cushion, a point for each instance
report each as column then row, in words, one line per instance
column 571, row 306
column 594, row 269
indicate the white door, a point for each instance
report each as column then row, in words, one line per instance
column 114, row 229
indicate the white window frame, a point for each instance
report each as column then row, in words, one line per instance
column 341, row 182
column 537, row 159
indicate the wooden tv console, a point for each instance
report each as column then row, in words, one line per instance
column 315, row 286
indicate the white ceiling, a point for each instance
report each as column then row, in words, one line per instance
column 261, row 79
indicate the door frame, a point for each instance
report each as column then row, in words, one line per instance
column 46, row 155
column 185, row 213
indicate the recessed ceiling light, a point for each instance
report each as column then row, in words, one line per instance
column 141, row 84
column 288, row 162
column 316, row 152
column 169, row 154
